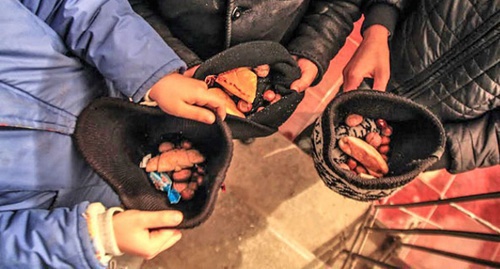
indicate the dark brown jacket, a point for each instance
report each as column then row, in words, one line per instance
column 316, row 30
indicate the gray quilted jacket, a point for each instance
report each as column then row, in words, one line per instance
column 446, row 55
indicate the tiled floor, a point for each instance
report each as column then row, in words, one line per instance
column 478, row 216
column 483, row 216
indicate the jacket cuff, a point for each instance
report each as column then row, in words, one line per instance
column 381, row 14
column 100, row 228
column 321, row 64
column 176, row 65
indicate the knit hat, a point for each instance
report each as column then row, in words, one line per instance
column 114, row 135
column 283, row 71
column 417, row 141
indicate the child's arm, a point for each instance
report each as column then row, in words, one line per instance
column 172, row 96
column 110, row 36
column 49, row 239
column 133, row 58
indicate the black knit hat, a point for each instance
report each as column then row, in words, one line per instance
column 114, row 135
column 284, row 71
column 417, row 141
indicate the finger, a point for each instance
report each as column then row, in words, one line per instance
column 190, row 72
column 221, row 111
column 162, row 239
column 352, row 82
column 197, row 113
column 297, row 85
column 160, row 219
column 380, row 81
column 304, row 81
column 309, row 72
column 212, row 101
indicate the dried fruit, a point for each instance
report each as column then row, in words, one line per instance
column 230, row 105
column 241, row 82
column 353, row 120
column 384, row 149
column 373, row 139
column 381, row 123
column 365, row 154
column 387, row 131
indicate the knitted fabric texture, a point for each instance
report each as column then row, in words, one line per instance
column 417, row 142
column 114, row 135
column 284, row 70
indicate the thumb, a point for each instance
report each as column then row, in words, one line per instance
column 309, row 72
column 160, row 219
column 162, row 239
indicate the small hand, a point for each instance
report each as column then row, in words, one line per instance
column 190, row 72
column 309, row 72
column 371, row 60
column 186, row 97
column 143, row 233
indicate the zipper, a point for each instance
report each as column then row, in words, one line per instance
column 463, row 51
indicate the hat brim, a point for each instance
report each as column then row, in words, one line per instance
column 418, row 141
column 114, row 135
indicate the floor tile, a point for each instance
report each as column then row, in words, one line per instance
column 473, row 248
column 449, row 217
column 439, row 180
column 484, row 180
column 415, row 191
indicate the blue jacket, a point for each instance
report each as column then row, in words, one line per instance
column 56, row 57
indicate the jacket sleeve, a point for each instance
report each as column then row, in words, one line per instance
column 473, row 144
column 327, row 24
column 34, row 238
column 145, row 10
column 110, row 36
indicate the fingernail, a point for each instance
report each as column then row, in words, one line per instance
column 210, row 118
column 177, row 217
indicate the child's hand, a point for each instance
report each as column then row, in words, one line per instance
column 186, row 97
column 143, row 233
column 371, row 60
column 309, row 72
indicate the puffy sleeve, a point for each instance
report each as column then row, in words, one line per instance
column 110, row 36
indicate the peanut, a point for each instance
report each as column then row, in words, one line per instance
column 360, row 170
column 373, row 139
column 385, row 140
column 185, row 144
column 353, row 120
column 387, row 131
column 244, row 107
column 352, row 163
column 187, row 194
column 166, row 146
column 182, row 175
column 383, row 149
column 180, row 186
column 344, row 166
